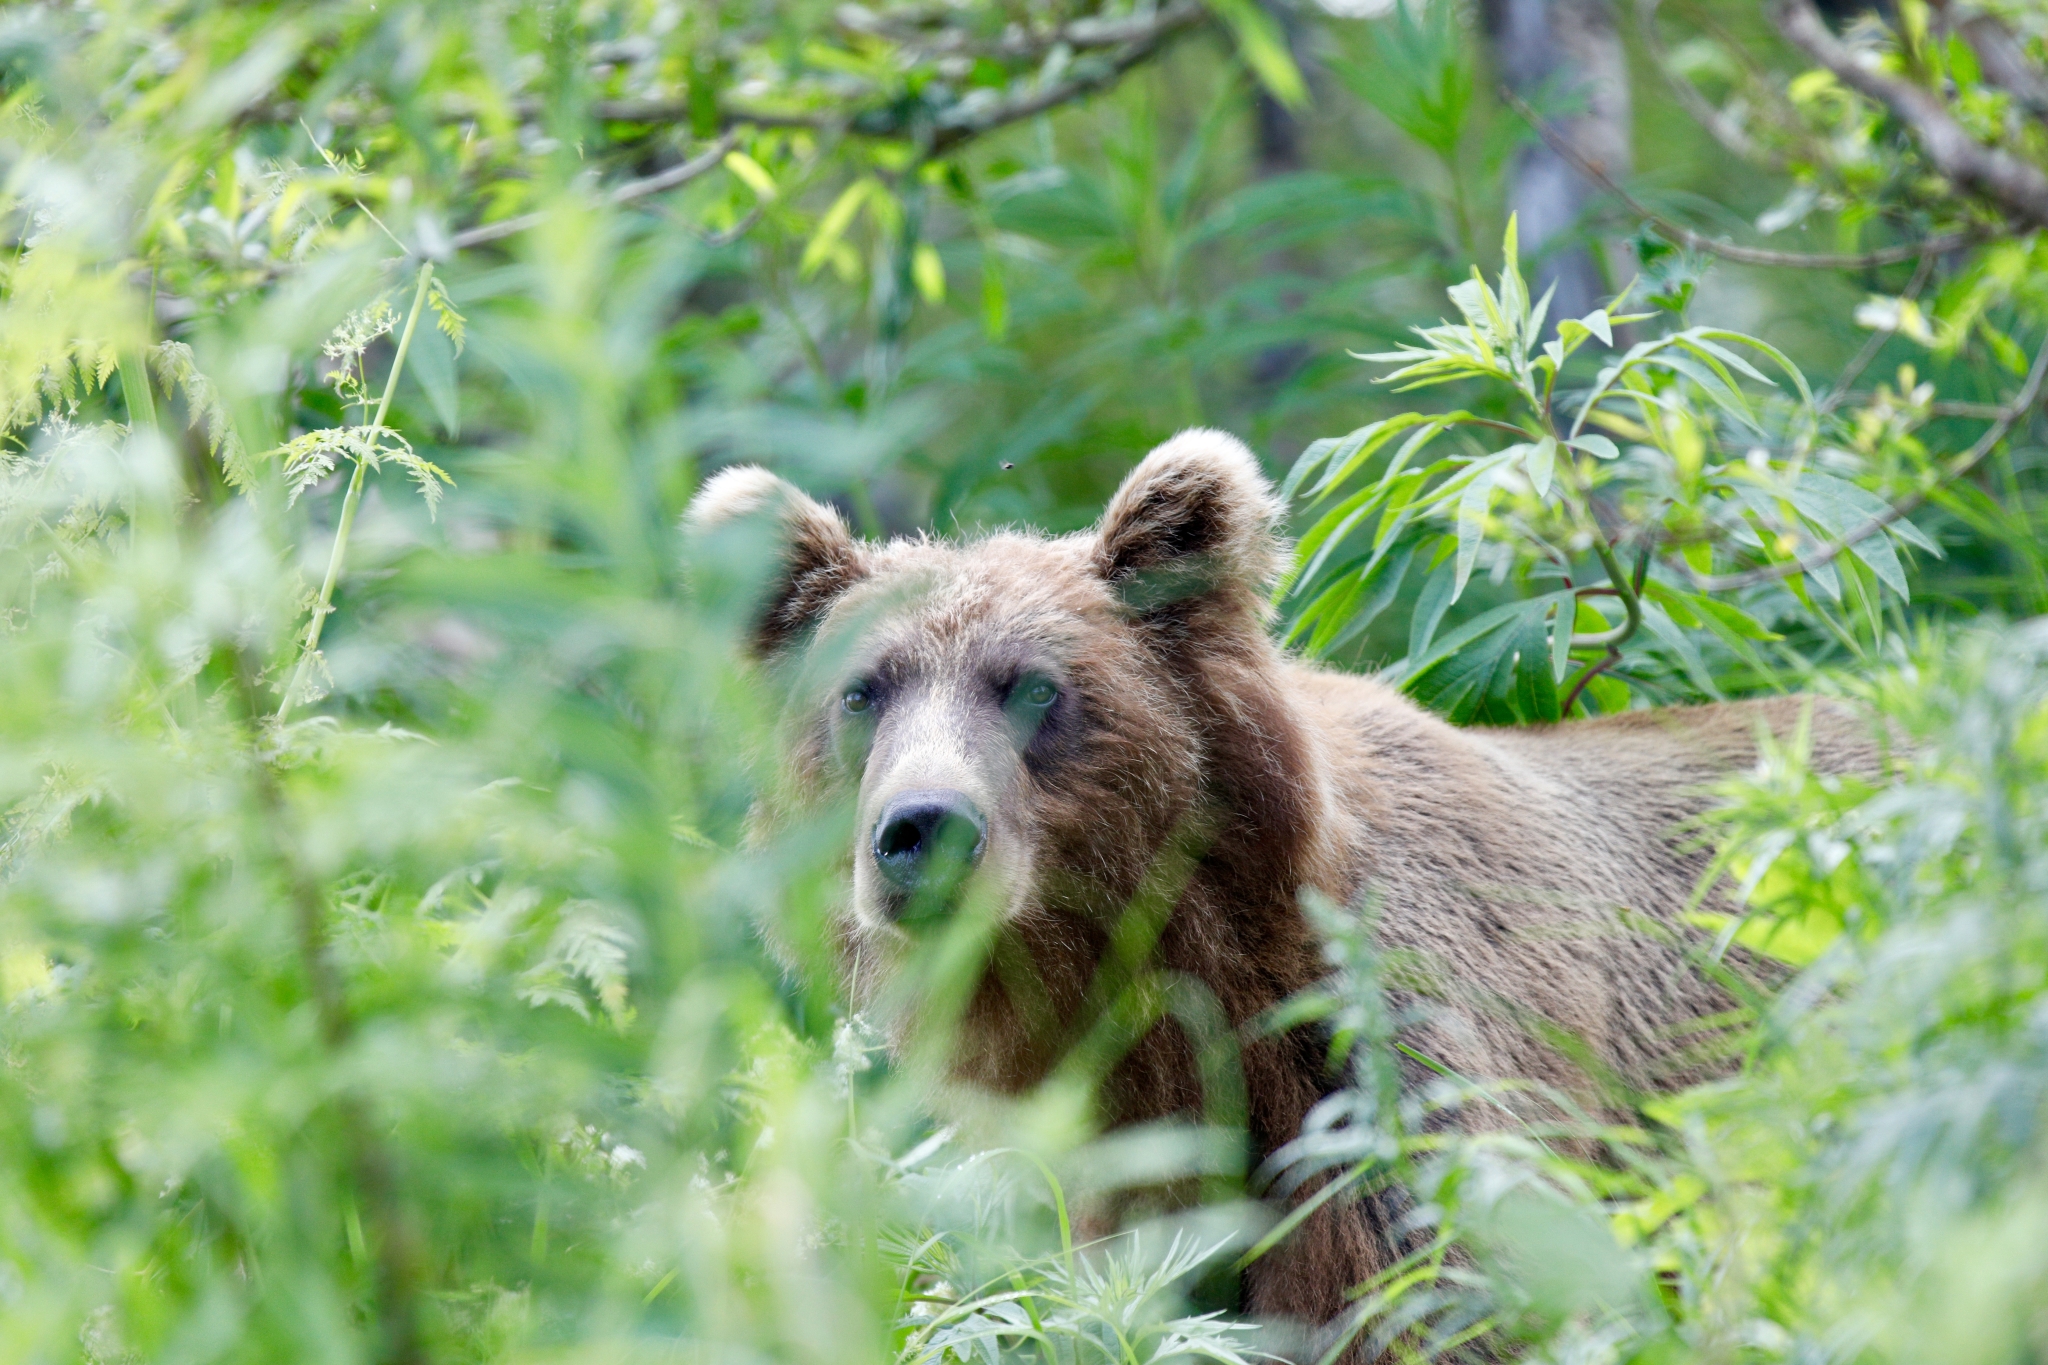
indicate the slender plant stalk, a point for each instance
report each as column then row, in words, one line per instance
column 134, row 370
column 351, row 501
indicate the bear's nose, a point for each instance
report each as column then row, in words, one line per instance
column 928, row 841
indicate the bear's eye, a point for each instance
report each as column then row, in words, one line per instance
column 857, row 698
column 1036, row 691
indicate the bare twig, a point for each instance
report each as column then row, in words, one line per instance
column 2018, row 188
column 710, row 159
column 739, row 229
column 1857, row 366
column 2022, row 403
column 1984, row 412
column 1681, row 235
column 1590, row 672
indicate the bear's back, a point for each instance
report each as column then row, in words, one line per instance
column 1535, row 879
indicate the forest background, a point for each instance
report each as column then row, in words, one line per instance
column 378, row 931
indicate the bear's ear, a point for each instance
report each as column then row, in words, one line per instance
column 817, row 558
column 1195, row 523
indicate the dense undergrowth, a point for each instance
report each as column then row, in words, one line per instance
column 382, row 947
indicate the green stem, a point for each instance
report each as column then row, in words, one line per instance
column 350, row 502
column 1625, row 589
column 134, row 371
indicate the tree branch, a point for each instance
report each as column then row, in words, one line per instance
column 2004, row 64
column 966, row 119
column 1015, row 44
column 1127, row 41
column 2021, row 404
column 2017, row 187
column 1681, row 235
column 1871, row 347
column 706, row 161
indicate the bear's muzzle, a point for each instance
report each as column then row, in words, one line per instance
column 925, row 844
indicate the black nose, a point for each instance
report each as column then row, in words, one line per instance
column 928, row 841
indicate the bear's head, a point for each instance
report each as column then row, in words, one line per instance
column 1044, row 726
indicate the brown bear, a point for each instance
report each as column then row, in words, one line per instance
column 1068, row 727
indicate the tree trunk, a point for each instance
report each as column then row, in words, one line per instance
column 1566, row 58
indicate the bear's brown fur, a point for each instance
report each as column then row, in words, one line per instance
column 1500, row 857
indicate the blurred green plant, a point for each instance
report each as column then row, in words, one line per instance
column 378, row 970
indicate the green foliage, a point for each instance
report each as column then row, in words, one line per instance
column 382, row 961
column 1713, row 487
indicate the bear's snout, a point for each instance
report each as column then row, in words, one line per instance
column 925, row 844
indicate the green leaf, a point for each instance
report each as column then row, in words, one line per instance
column 1475, row 301
column 1905, row 530
column 1827, row 579
column 1514, row 294
column 1264, row 49
column 1876, row 552
column 1458, row 673
column 834, row 224
column 1777, row 356
column 1595, row 445
column 753, row 173
column 1541, row 462
column 1732, row 619
column 1333, row 601
column 1472, row 509
column 1337, row 631
column 1698, row 343
column 1667, row 632
column 1397, row 513
column 1313, row 456
column 1330, row 530
column 1562, row 623
column 1535, row 695
column 1839, row 507
column 1430, row 606
column 1456, row 686
column 1728, row 399
column 1539, row 315
column 1478, row 626
column 1350, row 454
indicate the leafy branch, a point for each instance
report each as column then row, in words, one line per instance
column 2018, row 188
column 1678, row 442
column 1680, row 235
column 2003, row 419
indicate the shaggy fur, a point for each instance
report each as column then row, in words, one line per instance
column 1502, row 860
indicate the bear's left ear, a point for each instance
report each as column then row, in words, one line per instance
column 1195, row 523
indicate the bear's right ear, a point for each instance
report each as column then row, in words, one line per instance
column 817, row 558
